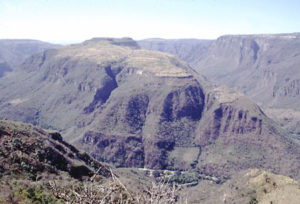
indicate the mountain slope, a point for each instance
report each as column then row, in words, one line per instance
column 107, row 87
column 264, row 67
column 32, row 152
column 14, row 52
column 139, row 108
column 4, row 67
column 238, row 135
column 38, row 166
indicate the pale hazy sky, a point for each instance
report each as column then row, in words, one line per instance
column 78, row 20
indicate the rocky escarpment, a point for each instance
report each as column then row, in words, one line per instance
column 231, row 113
column 135, row 107
column 236, row 135
column 155, row 123
column 264, row 67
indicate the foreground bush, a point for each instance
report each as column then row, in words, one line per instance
column 113, row 191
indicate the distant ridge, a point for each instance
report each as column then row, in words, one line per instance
column 14, row 51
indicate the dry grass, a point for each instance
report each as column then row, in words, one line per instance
column 160, row 64
column 226, row 95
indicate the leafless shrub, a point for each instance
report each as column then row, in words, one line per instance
column 113, row 191
column 158, row 193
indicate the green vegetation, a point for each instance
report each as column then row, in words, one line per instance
column 183, row 178
column 35, row 194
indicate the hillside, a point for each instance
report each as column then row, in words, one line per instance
column 31, row 157
column 4, row 67
column 139, row 108
column 31, row 152
column 36, row 165
column 263, row 67
column 251, row 186
column 14, row 52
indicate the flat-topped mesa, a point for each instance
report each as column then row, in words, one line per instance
column 255, row 36
column 160, row 64
column 127, row 42
column 126, row 54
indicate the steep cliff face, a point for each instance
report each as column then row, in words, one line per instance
column 141, row 108
column 230, row 113
column 148, row 124
column 263, row 67
column 235, row 134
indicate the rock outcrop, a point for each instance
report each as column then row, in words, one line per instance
column 235, row 134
